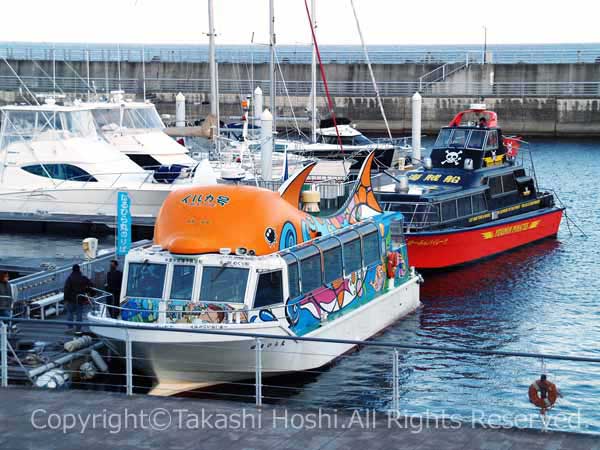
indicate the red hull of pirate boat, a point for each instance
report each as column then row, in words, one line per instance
column 445, row 248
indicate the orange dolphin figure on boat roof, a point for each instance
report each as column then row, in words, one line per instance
column 248, row 219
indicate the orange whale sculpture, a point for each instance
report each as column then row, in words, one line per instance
column 251, row 220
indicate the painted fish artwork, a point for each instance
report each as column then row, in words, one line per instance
column 256, row 220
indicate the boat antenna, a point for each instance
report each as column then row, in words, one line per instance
column 323, row 77
column 119, row 64
column 54, row 69
column 362, row 41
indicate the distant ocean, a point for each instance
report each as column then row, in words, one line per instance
column 383, row 54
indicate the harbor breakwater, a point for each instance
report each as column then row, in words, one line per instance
column 531, row 99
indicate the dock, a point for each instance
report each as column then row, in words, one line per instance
column 53, row 420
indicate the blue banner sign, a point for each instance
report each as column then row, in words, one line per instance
column 123, row 223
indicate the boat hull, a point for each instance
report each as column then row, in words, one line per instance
column 182, row 361
column 446, row 248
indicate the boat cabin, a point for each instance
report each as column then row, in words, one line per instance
column 472, row 176
column 226, row 289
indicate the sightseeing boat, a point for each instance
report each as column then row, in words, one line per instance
column 248, row 260
column 472, row 198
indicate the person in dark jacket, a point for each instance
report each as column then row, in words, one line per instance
column 6, row 299
column 75, row 286
column 113, row 286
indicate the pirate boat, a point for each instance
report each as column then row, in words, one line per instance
column 472, row 198
column 248, row 260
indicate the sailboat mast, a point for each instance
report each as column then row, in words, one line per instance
column 314, row 76
column 212, row 65
column 272, row 91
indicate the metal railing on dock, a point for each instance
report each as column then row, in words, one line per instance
column 300, row 54
column 385, row 391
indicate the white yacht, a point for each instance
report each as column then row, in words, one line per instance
column 54, row 165
column 136, row 129
column 345, row 276
column 355, row 146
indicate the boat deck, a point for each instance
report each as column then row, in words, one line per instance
column 26, row 423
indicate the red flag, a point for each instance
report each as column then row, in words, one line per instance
column 512, row 145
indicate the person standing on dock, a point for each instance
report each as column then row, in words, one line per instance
column 6, row 300
column 114, row 277
column 75, row 287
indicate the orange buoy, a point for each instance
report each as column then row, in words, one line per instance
column 543, row 394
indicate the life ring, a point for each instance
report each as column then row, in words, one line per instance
column 392, row 262
column 535, row 394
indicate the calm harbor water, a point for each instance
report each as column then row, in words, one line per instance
column 541, row 298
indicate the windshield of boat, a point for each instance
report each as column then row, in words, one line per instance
column 137, row 118
column 223, row 284
column 27, row 125
column 145, row 280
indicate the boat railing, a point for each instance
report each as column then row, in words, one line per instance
column 417, row 215
column 186, row 312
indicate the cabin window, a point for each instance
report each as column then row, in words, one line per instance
column 352, row 251
column 479, row 203
column 145, row 280
column 371, row 251
column 269, row 290
column 293, row 277
column 449, row 210
column 183, row 282
column 476, row 139
column 495, row 184
column 492, row 141
column 464, row 207
column 311, row 272
column 223, row 284
column 332, row 261
column 362, row 140
column 508, row 183
column 459, row 138
column 59, row 172
column 443, row 138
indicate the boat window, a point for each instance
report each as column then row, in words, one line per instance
column 352, row 251
column 107, row 119
column 310, row 269
column 79, row 124
column 476, row 139
column 443, row 138
column 459, row 138
column 449, row 210
column 269, row 290
column 492, row 140
column 293, row 275
column 479, row 203
column 59, row 172
column 371, row 250
column 508, row 183
column 332, row 262
column 223, row 284
column 362, row 140
column 464, row 206
column 183, row 282
column 145, row 280
column 495, row 186
column 143, row 118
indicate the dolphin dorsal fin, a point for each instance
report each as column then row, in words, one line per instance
column 291, row 189
column 361, row 203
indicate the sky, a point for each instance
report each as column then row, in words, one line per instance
column 383, row 21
